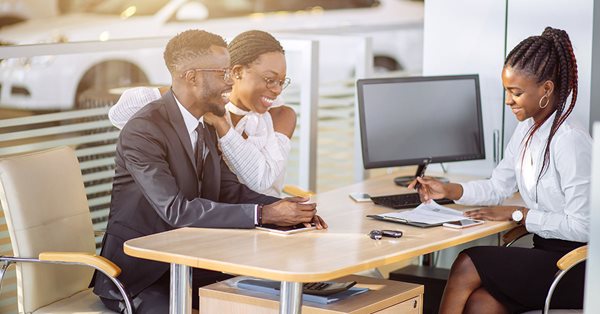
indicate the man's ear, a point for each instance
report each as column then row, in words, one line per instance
column 191, row 77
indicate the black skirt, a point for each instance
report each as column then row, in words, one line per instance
column 520, row 278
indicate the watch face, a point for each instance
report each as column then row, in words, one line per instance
column 517, row 215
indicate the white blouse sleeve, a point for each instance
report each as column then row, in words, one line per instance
column 572, row 159
column 257, row 167
column 130, row 102
column 501, row 185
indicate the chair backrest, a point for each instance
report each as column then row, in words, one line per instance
column 45, row 208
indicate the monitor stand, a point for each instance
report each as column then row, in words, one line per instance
column 406, row 180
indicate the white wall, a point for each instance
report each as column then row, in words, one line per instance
column 530, row 17
column 468, row 36
column 592, row 282
column 464, row 37
column 595, row 94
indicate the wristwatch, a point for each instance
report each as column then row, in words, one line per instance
column 517, row 215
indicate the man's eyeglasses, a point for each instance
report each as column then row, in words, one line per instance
column 271, row 83
column 226, row 73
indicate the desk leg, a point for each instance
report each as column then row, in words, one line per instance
column 181, row 289
column 290, row 300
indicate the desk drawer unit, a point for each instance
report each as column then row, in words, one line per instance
column 384, row 297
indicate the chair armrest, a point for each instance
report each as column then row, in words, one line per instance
column 83, row 258
column 572, row 258
column 564, row 264
column 99, row 233
column 294, row 190
column 514, row 234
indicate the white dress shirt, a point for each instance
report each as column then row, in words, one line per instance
column 191, row 123
column 259, row 160
column 559, row 204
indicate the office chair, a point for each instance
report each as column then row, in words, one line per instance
column 50, row 227
column 294, row 190
column 566, row 263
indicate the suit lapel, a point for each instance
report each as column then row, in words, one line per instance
column 212, row 175
column 178, row 124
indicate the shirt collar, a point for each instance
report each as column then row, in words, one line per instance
column 544, row 131
column 191, row 123
column 236, row 110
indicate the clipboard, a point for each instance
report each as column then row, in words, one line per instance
column 404, row 221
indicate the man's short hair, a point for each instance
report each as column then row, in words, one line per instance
column 189, row 45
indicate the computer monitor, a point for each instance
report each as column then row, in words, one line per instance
column 412, row 120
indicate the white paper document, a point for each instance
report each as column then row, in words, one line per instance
column 431, row 213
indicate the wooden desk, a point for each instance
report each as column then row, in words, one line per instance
column 305, row 257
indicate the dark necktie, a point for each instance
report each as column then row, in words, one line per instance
column 200, row 151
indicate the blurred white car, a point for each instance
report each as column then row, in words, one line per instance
column 54, row 82
column 16, row 11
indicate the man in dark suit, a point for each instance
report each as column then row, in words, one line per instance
column 169, row 174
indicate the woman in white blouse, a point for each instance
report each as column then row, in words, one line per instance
column 548, row 160
column 255, row 133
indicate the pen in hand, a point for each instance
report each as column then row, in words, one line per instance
column 418, row 184
column 421, row 172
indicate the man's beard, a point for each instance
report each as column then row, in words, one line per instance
column 216, row 109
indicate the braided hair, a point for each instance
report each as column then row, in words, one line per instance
column 248, row 46
column 548, row 57
column 189, row 45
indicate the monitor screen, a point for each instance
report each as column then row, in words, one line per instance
column 406, row 120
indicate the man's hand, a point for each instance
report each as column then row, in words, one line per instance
column 319, row 223
column 497, row 213
column 290, row 211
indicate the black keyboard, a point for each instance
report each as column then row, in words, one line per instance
column 409, row 200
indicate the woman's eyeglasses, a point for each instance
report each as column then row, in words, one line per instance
column 271, row 83
column 226, row 73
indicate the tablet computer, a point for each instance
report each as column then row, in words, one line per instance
column 286, row 229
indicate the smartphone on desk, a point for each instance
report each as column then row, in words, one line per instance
column 463, row 223
column 360, row 197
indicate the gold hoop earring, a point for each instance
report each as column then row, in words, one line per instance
column 546, row 104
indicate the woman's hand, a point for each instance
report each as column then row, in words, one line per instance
column 495, row 213
column 429, row 189
column 219, row 123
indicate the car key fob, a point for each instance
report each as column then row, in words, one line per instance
column 391, row 233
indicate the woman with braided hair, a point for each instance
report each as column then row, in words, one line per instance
column 548, row 160
column 254, row 135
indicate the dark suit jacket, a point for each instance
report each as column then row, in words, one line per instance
column 155, row 189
